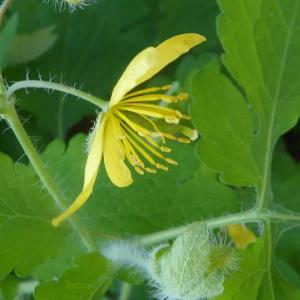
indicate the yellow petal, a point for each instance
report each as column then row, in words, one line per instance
column 241, row 235
column 151, row 60
column 133, row 74
column 91, row 171
column 114, row 156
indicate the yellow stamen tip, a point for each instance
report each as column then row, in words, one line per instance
column 165, row 149
column 172, row 120
column 182, row 96
column 184, row 140
column 195, row 135
column 150, row 170
column 179, row 114
column 139, row 170
column 171, row 161
column 162, row 167
column 166, row 87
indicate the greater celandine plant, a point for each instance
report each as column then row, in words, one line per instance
column 189, row 262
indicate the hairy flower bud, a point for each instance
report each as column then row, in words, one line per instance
column 193, row 267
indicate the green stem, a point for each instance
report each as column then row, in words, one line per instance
column 3, row 8
column 249, row 216
column 125, row 291
column 13, row 120
column 39, row 84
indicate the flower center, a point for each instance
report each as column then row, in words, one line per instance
column 143, row 126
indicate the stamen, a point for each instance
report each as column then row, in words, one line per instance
column 165, row 149
column 147, row 146
column 171, row 161
column 162, row 167
column 174, row 138
column 150, row 170
column 172, row 120
column 183, row 140
column 139, row 170
column 148, row 90
column 182, row 96
column 137, row 128
column 150, row 98
column 189, row 132
column 134, row 156
column 155, row 128
column 151, row 110
column 141, row 150
column 178, row 113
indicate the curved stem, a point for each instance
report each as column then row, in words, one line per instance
column 13, row 120
column 3, row 8
column 39, row 84
column 248, row 216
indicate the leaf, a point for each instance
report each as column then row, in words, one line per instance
column 262, row 46
column 93, row 48
column 34, row 246
column 151, row 203
column 225, row 126
column 25, row 227
column 285, row 181
column 88, row 279
column 28, row 47
column 257, row 277
column 7, row 35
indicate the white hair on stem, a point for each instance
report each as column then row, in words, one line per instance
column 72, row 5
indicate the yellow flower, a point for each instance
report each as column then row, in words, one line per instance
column 126, row 131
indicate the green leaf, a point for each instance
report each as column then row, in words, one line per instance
column 221, row 115
column 153, row 202
column 25, row 228
column 7, row 35
column 88, row 279
column 28, row 47
column 257, row 277
column 33, row 245
column 262, row 46
column 285, row 181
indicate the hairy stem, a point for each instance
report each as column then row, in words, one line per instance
column 3, row 8
column 248, row 216
column 39, row 84
column 13, row 120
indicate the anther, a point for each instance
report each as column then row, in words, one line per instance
column 162, row 167
column 150, row 170
column 165, row 149
column 179, row 114
column 171, row 161
column 183, row 140
column 139, row 170
column 182, row 96
column 172, row 120
column 166, row 87
column 137, row 162
column 173, row 99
